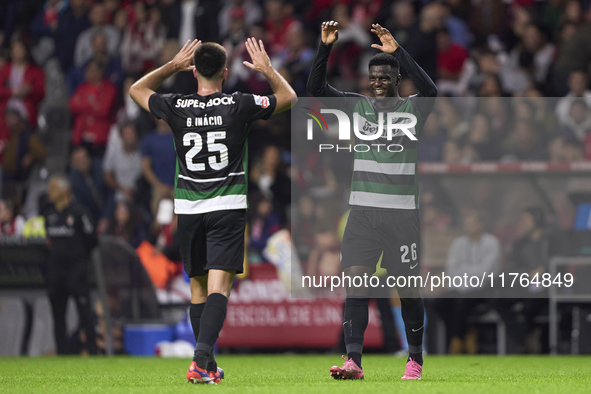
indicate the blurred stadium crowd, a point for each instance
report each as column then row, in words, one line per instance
column 66, row 67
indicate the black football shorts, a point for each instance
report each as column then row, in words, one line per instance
column 212, row 240
column 394, row 232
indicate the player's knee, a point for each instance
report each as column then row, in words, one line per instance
column 408, row 293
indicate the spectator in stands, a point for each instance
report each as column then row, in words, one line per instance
column 530, row 255
column 417, row 37
column 450, row 60
column 92, row 105
column 86, row 177
column 100, row 53
column 277, row 24
column 535, row 42
column 123, row 167
column 143, row 40
column 491, row 86
column 458, row 29
column 433, row 138
column 526, row 146
column 474, row 253
column 234, row 36
column 248, row 12
column 269, row 178
column 71, row 23
column 296, row 58
column 4, row 56
column 121, row 21
column 578, row 125
column 556, row 149
column 21, row 82
column 578, row 84
column 46, row 20
column 452, row 152
column 23, row 148
column 262, row 223
column 159, row 162
column 188, row 19
column 85, row 48
column 11, row 222
column 324, row 258
column 480, row 139
column 125, row 224
column 575, row 150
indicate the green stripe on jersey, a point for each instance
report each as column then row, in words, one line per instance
column 191, row 195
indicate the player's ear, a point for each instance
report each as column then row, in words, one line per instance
column 398, row 79
column 225, row 73
column 195, row 73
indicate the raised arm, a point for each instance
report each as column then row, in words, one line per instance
column 317, row 85
column 284, row 93
column 146, row 86
column 419, row 77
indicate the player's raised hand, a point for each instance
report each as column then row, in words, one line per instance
column 389, row 44
column 330, row 32
column 182, row 61
column 258, row 55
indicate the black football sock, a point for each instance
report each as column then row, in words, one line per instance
column 212, row 365
column 212, row 321
column 354, row 325
column 413, row 314
column 195, row 312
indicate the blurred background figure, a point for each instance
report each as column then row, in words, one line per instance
column 71, row 236
column 11, row 222
column 530, row 254
column 22, row 84
column 474, row 253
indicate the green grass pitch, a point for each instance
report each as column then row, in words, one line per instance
column 298, row 374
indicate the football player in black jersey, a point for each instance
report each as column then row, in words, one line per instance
column 210, row 131
column 71, row 238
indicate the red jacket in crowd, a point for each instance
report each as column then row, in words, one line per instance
column 93, row 106
column 33, row 77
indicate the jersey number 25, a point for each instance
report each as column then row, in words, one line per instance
column 196, row 141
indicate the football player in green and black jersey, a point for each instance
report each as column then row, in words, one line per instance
column 210, row 131
column 384, row 194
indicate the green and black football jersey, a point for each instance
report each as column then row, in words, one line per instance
column 385, row 178
column 381, row 178
column 211, row 142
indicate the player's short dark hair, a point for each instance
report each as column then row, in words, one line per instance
column 209, row 59
column 385, row 59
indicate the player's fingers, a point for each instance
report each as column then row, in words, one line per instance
column 185, row 46
column 262, row 46
column 257, row 45
column 248, row 46
column 249, row 65
column 194, row 46
column 376, row 46
column 254, row 44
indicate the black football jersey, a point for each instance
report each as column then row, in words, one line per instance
column 210, row 138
